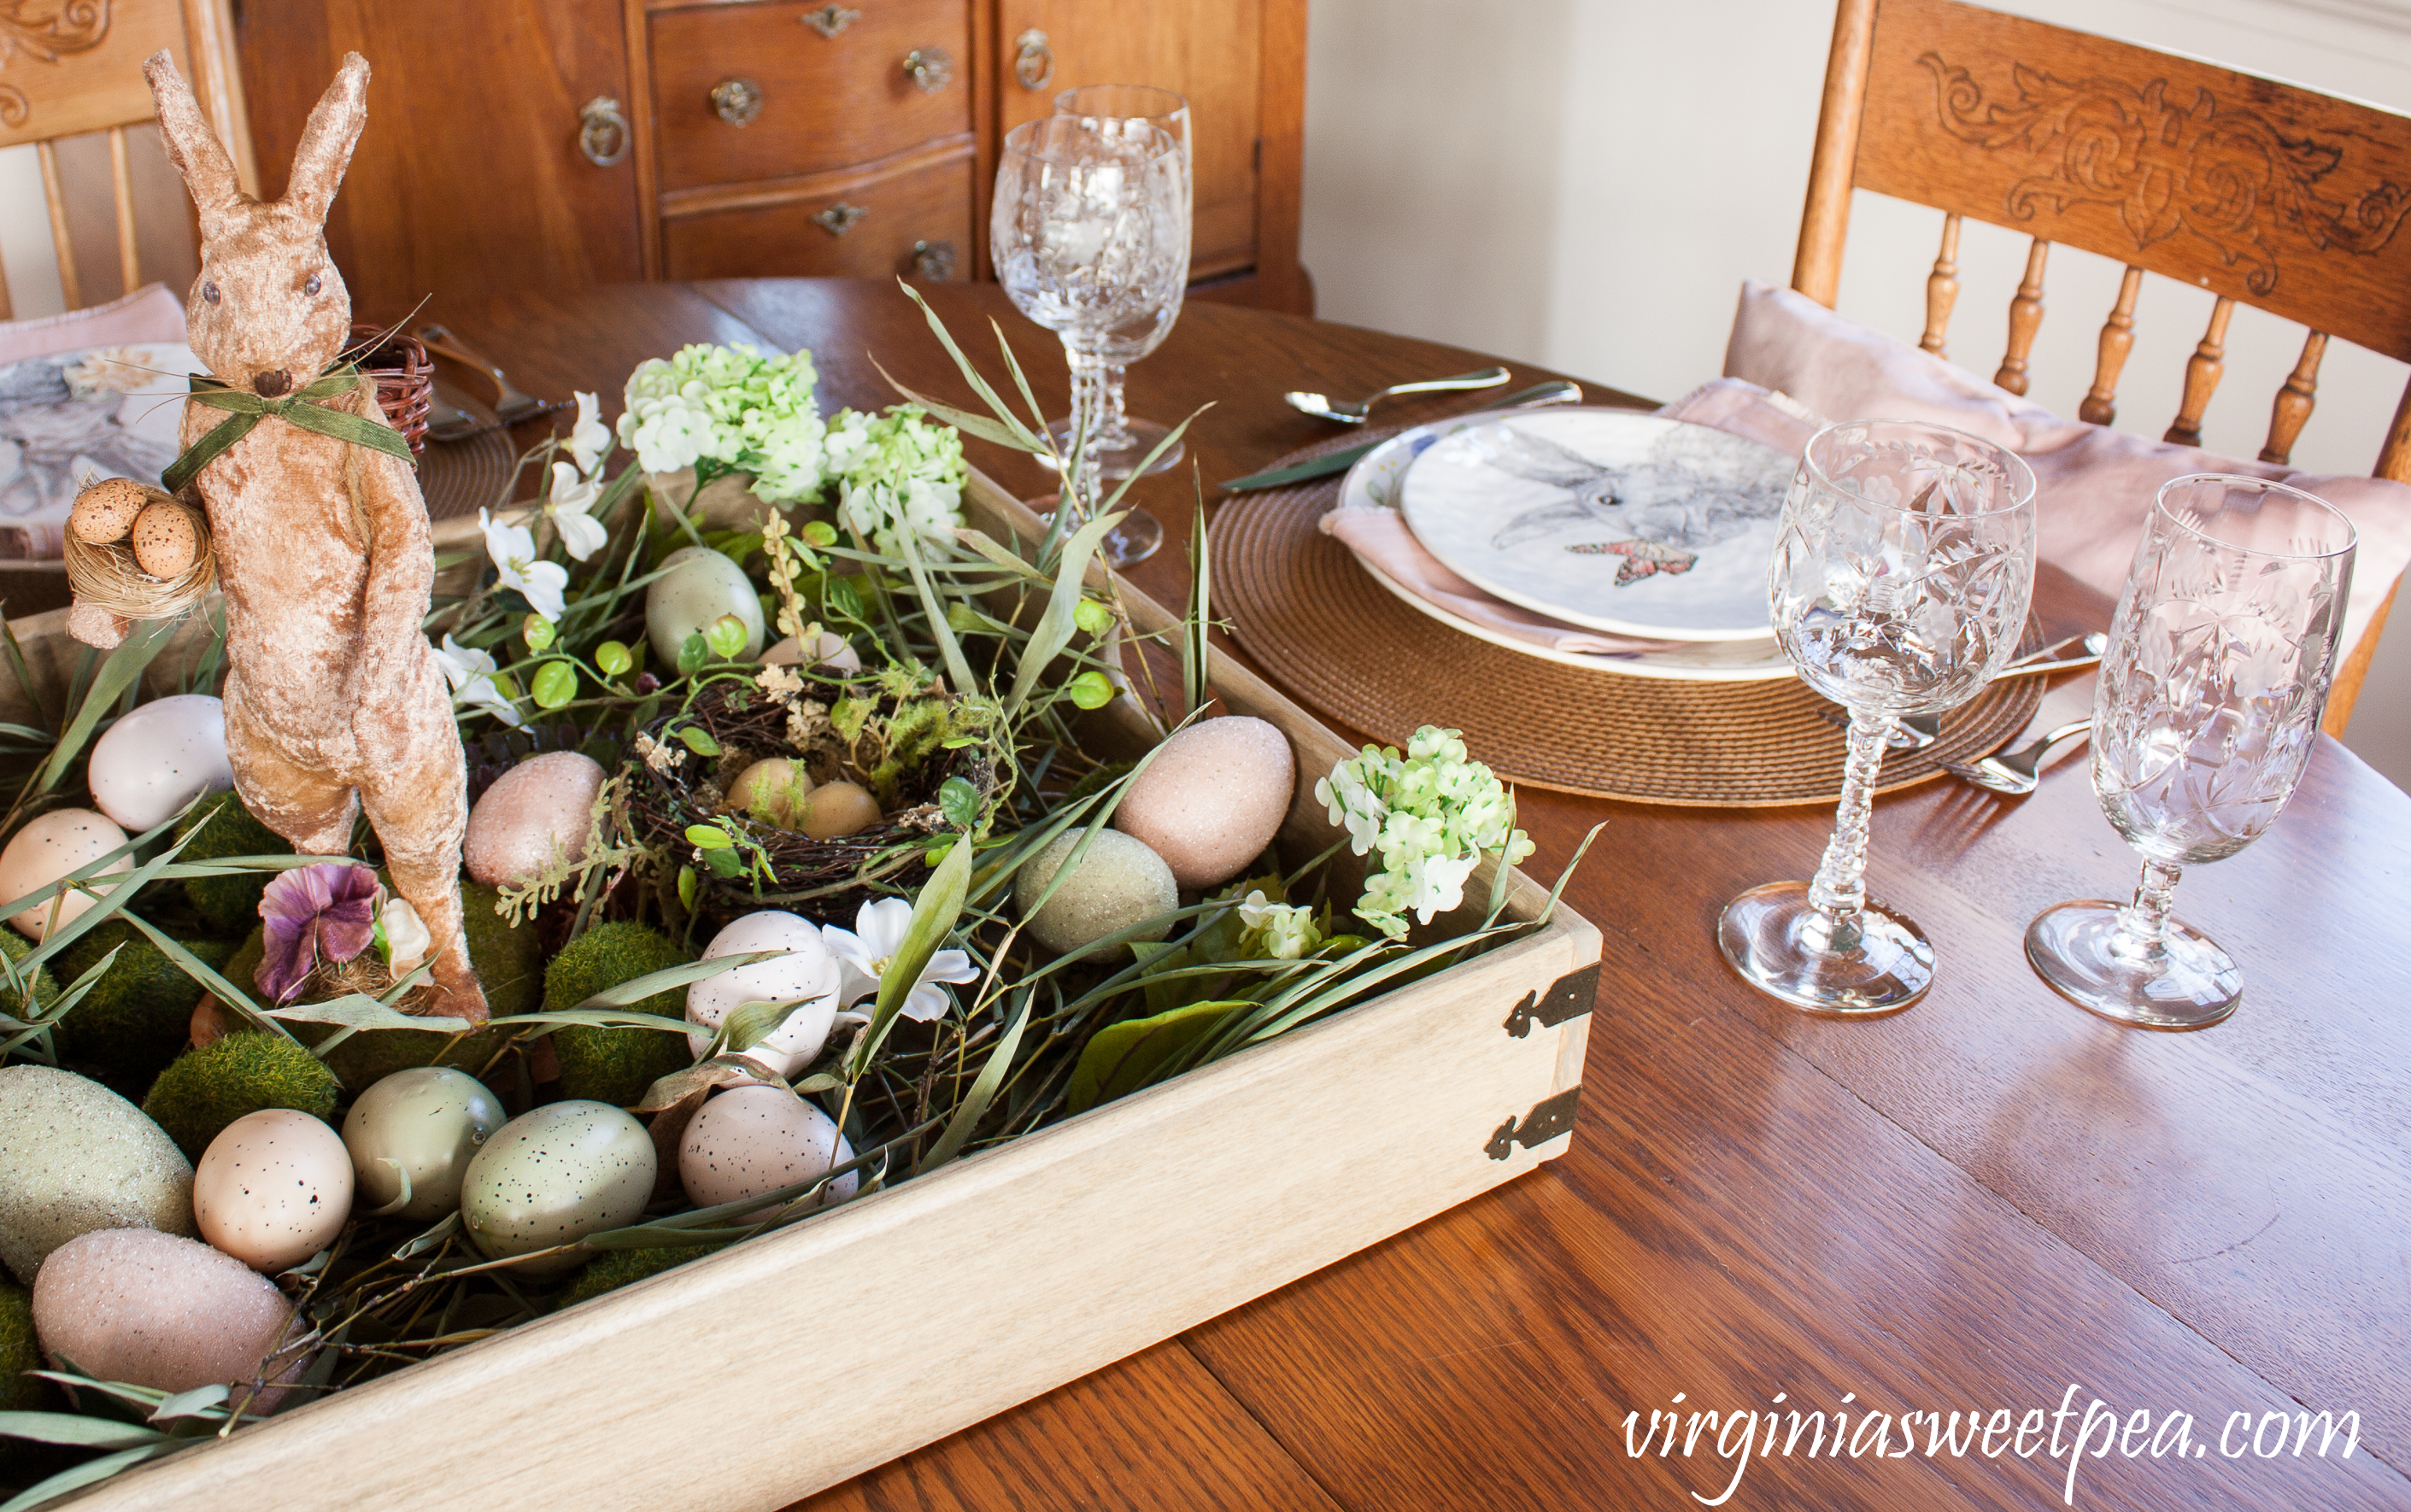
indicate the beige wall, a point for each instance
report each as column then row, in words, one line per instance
column 1585, row 183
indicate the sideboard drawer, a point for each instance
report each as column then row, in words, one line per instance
column 808, row 102
column 917, row 223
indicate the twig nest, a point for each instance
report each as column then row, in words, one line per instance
column 75, row 1158
column 106, row 512
column 1118, row 883
column 160, row 758
column 751, row 1139
column 166, row 545
column 45, row 851
column 806, row 975
column 274, row 1188
column 156, row 1311
column 537, row 811
column 1212, row 799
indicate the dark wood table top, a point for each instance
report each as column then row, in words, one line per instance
column 1993, row 1203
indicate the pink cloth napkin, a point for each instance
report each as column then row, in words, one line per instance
column 148, row 314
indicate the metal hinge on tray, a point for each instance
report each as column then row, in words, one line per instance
column 1568, row 998
column 1549, row 1118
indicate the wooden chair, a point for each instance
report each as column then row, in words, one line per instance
column 78, row 69
column 2288, row 201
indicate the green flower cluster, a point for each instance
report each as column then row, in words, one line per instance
column 733, row 408
column 892, row 470
column 1431, row 814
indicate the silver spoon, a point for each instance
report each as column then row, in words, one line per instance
column 1916, row 732
column 1357, row 413
column 2016, row 772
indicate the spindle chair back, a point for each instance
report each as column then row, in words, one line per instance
column 76, row 67
column 2260, row 192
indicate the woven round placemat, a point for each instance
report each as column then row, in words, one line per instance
column 1314, row 619
column 461, row 477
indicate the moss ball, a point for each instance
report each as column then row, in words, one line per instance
column 616, row 1268
column 228, row 905
column 138, row 1016
column 19, row 1351
column 45, row 987
column 204, row 1090
column 509, row 962
column 616, row 1066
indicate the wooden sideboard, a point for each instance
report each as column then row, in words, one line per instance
column 558, row 143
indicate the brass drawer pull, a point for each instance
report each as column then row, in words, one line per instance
column 737, row 101
column 932, row 68
column 830, row 20
column 601, row 131
column 934, row 260
column 839, row 218
column 1033, row 59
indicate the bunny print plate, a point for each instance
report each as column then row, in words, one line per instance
column 1373, row 484
column 1608, row 519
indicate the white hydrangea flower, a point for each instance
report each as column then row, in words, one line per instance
column 1277, row 931
column 1432, row 814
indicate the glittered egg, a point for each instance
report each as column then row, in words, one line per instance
column 160, row 758
column 169, row 1313
column 772, row 789
column 423, row 1125
column 274, row 1188
column 1118, row 884
column 697, row 587
column 751, row 1139
column 165, row 540
column 48, row 846
column 1212, row 799
column 539, row 809
column 75, row 1158
column 106, row 512
column 554, row 1175
column 807, row 971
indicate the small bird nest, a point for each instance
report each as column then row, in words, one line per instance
column 899, row 752
column 106, row 574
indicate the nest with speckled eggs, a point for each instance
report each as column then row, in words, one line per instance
column 931, row 759
column 138, row 552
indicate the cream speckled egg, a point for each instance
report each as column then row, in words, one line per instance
column 106, row 512
column 1119, row 883
column 554, row 1175
column 807, row 971
column 75, row 1158
column 149, row 1309
column 48, row 848
column 1212, row 799
column 427, row 1123
column 751, row 1139
column 541, row 806
column 160, row 758
column 697, row 587
column 274, row 1188
column 164, row 541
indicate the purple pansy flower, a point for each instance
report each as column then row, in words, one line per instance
column 314, row 913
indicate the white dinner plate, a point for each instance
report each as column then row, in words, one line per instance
column 1608, row 519
column 1373, row 484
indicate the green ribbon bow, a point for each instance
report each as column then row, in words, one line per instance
column 301, row 409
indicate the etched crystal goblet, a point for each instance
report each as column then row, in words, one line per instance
column 2217, row 668
column 1901, row 579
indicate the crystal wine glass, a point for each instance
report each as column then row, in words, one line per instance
column 1125, row 443
column 1901, row 580
column 2217, row 668
column 1090, row 237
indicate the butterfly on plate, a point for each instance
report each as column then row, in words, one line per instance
column 1642, row 559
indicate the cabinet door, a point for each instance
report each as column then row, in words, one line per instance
column 470, row 175
column 1209, row 50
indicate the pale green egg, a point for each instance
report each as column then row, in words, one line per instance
column 552, row 1176
column 697, row 587
column 423, row 1125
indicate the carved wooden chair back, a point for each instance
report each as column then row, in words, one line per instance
column 70, row 67
column 2260, row 192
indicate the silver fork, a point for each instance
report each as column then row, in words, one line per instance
column 1915, row 732
column 2016, row 772
column 1354, row 412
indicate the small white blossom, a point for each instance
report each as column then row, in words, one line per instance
column 470, row 672
column 1277, row 931
column 590, row 441
column 513, row 549
column 582, row 533
column 866, row 952
column 406, row 937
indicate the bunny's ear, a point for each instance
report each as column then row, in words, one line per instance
column 199, row 155
column 328, row 140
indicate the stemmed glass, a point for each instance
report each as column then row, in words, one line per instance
column 1901, row 580
column 1125, row 443
column 2217, row 668
column 1090, row 237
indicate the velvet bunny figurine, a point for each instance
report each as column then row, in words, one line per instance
column 333, row 697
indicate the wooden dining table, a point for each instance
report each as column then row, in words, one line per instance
column 1992, row 1205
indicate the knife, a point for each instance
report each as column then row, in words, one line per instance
column 1560, row 392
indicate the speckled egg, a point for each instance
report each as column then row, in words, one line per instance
column 75, row 1158
column 274, row 1188
column 772, row 789
column 425, row 1123
column 552, row 1176
column 106, row 512
column 1212, row 799
column 160, row 758
column 165, row 540
column 697, row 587
column 541, row 806
column 1119, row 883
column 149, row 1309
column 807, row 971
column 47, row 849
column 751, row 1139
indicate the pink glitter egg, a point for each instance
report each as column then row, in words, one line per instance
column 151, row 1309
